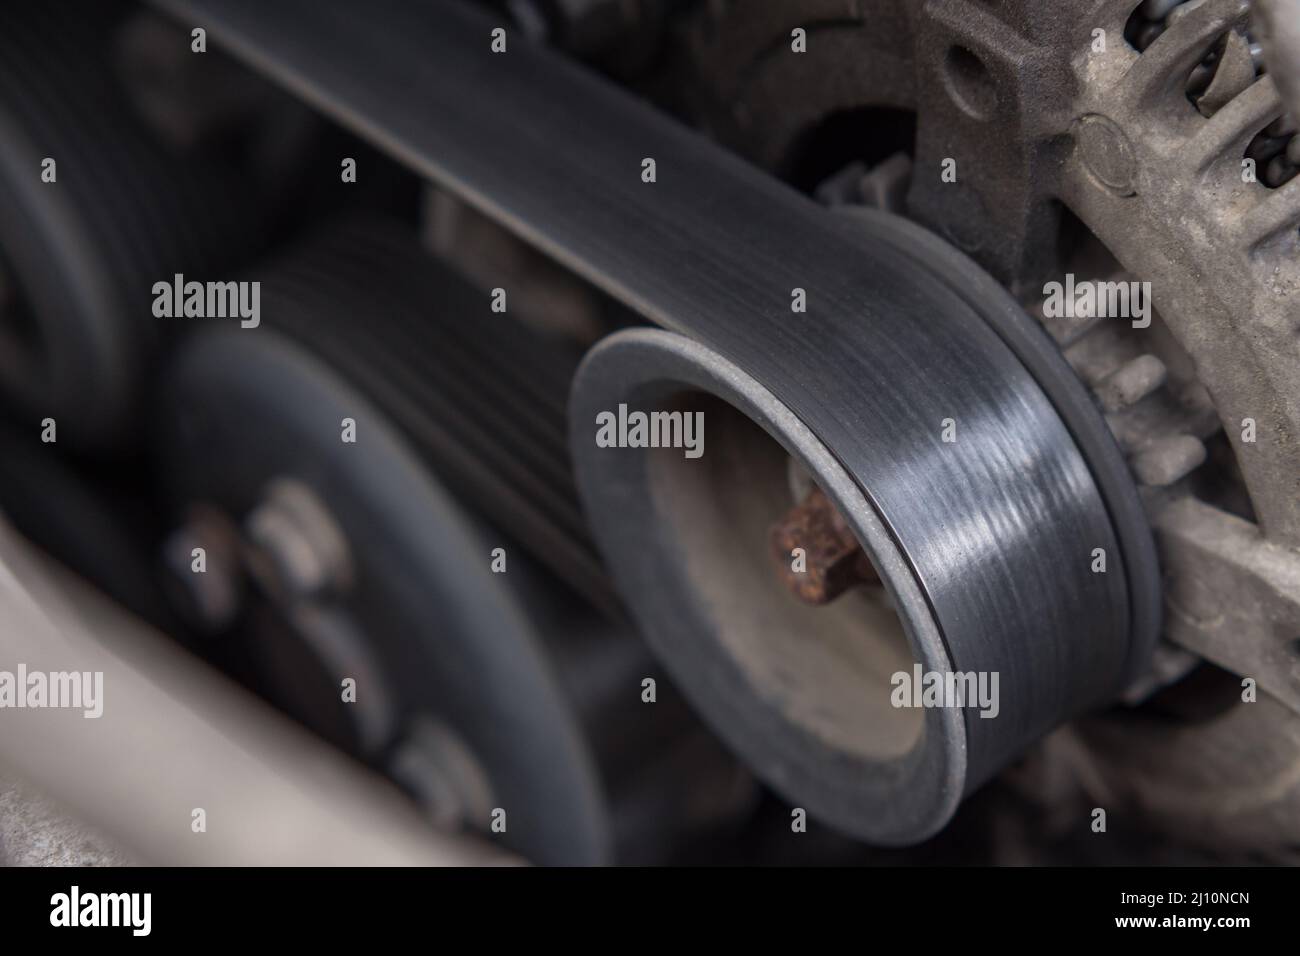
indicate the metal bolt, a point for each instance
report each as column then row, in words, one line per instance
column 437, row 767
column 298, row 550
column 835, row 561
column 1107, row 153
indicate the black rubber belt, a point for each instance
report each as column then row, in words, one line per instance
column 991, row 524
column 406, row 330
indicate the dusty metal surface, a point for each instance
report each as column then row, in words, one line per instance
column 36, row 831
column 1224, row 580
column 1222, row 255
column 1279, row 26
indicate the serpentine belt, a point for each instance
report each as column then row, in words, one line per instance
column 899, row 333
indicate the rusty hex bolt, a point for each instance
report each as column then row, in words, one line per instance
column 834, row 559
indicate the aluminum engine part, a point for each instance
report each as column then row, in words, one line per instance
column 1222, row 253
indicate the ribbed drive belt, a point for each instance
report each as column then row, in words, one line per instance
column 892, row 342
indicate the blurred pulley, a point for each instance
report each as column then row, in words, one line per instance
column 95, row 212
column 386, row 583
column 309, row 456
